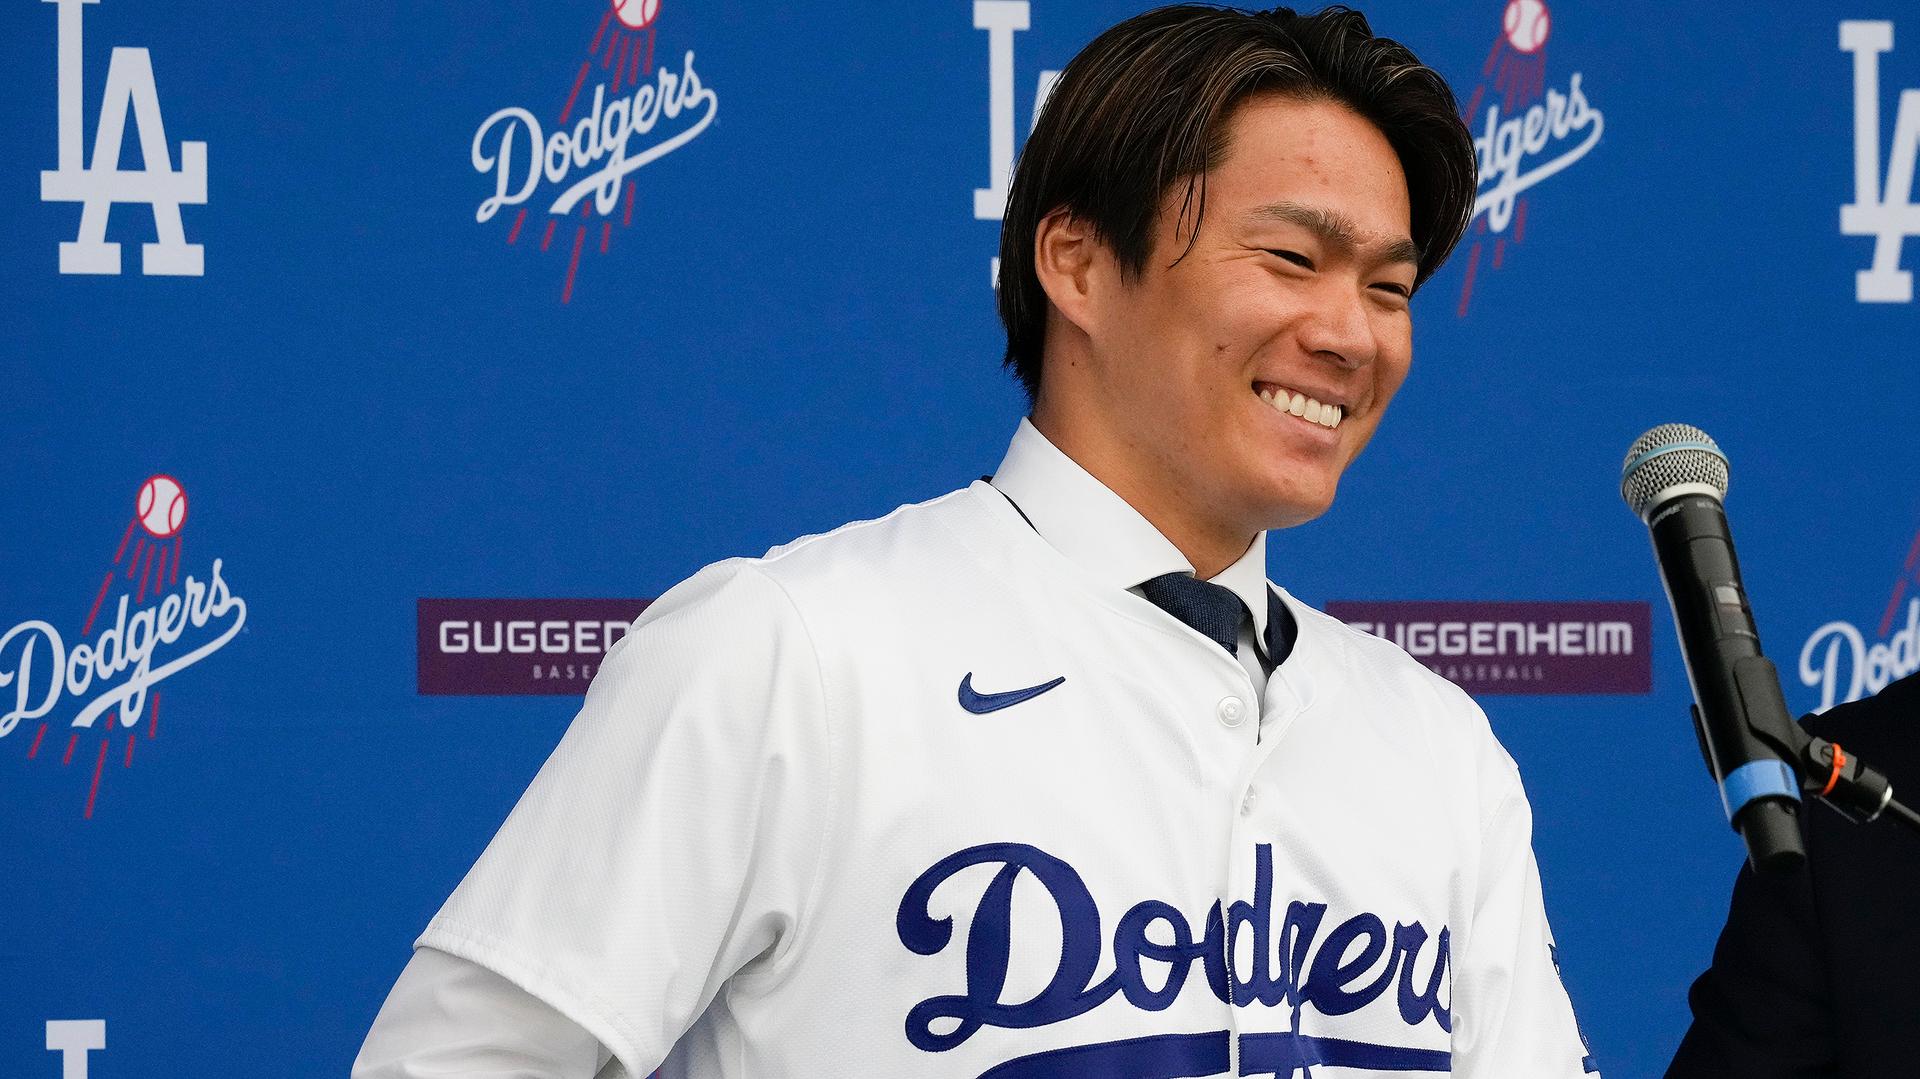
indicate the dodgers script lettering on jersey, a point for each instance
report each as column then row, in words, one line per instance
column 1338, row 972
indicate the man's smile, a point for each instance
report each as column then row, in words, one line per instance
column 1301, row 405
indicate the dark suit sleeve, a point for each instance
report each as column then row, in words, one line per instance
column 1814, row 974
column 1761, row 1011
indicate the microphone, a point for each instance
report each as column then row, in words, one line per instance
column 1674, row 478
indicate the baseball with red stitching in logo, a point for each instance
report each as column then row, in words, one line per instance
column 162, row 507
column 636, row 14
column 1525, row 22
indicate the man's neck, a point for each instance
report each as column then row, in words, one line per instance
column 1206, row 542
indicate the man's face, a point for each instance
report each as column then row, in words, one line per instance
column 1296, row 290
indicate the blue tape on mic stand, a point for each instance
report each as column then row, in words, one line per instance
column 1757, row 779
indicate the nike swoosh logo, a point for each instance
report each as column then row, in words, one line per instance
column 982, row 703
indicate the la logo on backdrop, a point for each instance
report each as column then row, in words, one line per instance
column 1001, row 19
column 1528, row 132
column 100, row 183
column 1886, row 211
column 580, row 174
column 147, row 621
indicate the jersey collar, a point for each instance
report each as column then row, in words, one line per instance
column 1095, row 528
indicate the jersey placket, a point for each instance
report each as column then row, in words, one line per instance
column 1283, row 703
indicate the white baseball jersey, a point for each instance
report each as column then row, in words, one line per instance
column 924, row 797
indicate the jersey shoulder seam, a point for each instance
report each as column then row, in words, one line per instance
column 782, row 552
column 803, row 923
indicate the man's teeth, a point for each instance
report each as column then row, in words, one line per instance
column 1299, row 404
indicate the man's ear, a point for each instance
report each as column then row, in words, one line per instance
column 1071, row 263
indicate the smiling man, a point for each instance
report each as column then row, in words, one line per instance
column 1044, row 779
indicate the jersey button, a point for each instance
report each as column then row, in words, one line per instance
column 1231, row 711
column 1246, row 804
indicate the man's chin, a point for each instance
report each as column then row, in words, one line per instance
column 1296, row 508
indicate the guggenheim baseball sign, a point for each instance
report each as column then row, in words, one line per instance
column 1529, row 647
column 506, row 647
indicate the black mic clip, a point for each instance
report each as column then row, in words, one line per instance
column 1837, row 778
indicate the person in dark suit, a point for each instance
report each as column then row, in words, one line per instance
column 1814, row 973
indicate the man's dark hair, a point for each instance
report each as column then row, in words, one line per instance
column 1145, row 106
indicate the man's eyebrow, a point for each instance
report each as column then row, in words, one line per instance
column 1337, row 230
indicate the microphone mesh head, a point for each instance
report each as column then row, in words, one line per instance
column 1667, row 456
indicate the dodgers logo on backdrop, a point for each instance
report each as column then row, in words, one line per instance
column 1389, row 976
column 1002, row 19
column 1885, row 211
column 154, row 622
column 1529, row 132
column 100, row 183
column 634, row 115
column 1842, row 664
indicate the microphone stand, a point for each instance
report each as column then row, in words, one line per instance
column 1838, row 778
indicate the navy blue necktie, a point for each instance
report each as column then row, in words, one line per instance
column 1215, row 611
column 1210, row 609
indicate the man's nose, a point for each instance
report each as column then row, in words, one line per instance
column 1338, row 328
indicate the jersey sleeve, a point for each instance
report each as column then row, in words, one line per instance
column 1512, row 1015
column 447, row 1016
column 671, row 839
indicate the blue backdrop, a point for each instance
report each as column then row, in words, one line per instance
column 369, row 396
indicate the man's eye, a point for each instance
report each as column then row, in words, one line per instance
column 1393, row 288
column 1294, row 257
